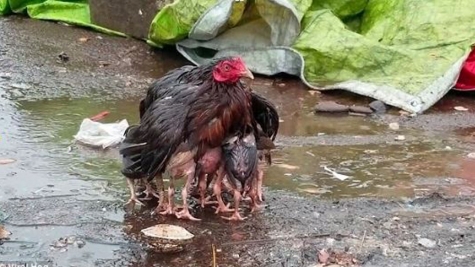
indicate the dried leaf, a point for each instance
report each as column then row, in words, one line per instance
column 323, row 256
column 287, row 166
column 4, row 234
column 6, row 161
column 167, row 231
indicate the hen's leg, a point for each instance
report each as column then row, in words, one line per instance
column 236, row 216
column 133, row 197
column 185, row 213
column 171, row 199
column 217, row 192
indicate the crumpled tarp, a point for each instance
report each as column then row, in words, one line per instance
column 69, row 11
column 406, row 53
column 466, row 80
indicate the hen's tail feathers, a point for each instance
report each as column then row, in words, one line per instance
column 131, row 155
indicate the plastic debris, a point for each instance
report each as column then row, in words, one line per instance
column 103, row 135
column 336, row 175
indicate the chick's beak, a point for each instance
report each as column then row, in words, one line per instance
column 247, row 73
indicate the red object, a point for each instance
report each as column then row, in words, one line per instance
column 466, row 81
column 99, row 116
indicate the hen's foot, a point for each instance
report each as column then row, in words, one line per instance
column 235, row 217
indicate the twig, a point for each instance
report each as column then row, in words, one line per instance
column 362, row 241
column 214, row 254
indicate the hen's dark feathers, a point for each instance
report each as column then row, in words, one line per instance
column 148, row 148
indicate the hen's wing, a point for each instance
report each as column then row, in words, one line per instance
column 265, row 113
column 160, row 133
column 166, row 86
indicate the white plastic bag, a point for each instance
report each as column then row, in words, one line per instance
column 103, row 135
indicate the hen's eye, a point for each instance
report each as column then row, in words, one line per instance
column 226, row 67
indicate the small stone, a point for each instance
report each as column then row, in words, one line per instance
column 361, row 109
column 80, row 244
column 427, row 243
column 236, row 256
column 471, row 155
column 400, row 138
column 394, row 126
column 378, row 106
column 387, row 225
column 5, row 75
column 330, row 106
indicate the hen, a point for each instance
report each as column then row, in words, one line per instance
column 264, row 112
column 190, row 123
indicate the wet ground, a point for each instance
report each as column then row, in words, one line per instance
column 398, row 193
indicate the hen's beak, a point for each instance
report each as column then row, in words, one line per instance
column 247, row 73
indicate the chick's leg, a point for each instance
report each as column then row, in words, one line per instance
column 217, row 192
column 149, row 192
column 236, row 216
column 171, row 199
column 254, row 194
column 185, row 212
column 260, row 178
column 133, row 197
column 203, row 186
column 162, row 205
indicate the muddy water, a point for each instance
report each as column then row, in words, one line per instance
column 56, row 188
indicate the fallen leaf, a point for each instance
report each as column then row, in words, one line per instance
column 168, row 231
column 287, row 166
column 323, row 256
column 83, row 39
column 460, row 108
column 4, row 234
column 6, row 161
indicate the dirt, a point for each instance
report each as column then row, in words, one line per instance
column 407, row 203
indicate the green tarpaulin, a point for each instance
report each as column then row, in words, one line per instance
column 407, row 53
